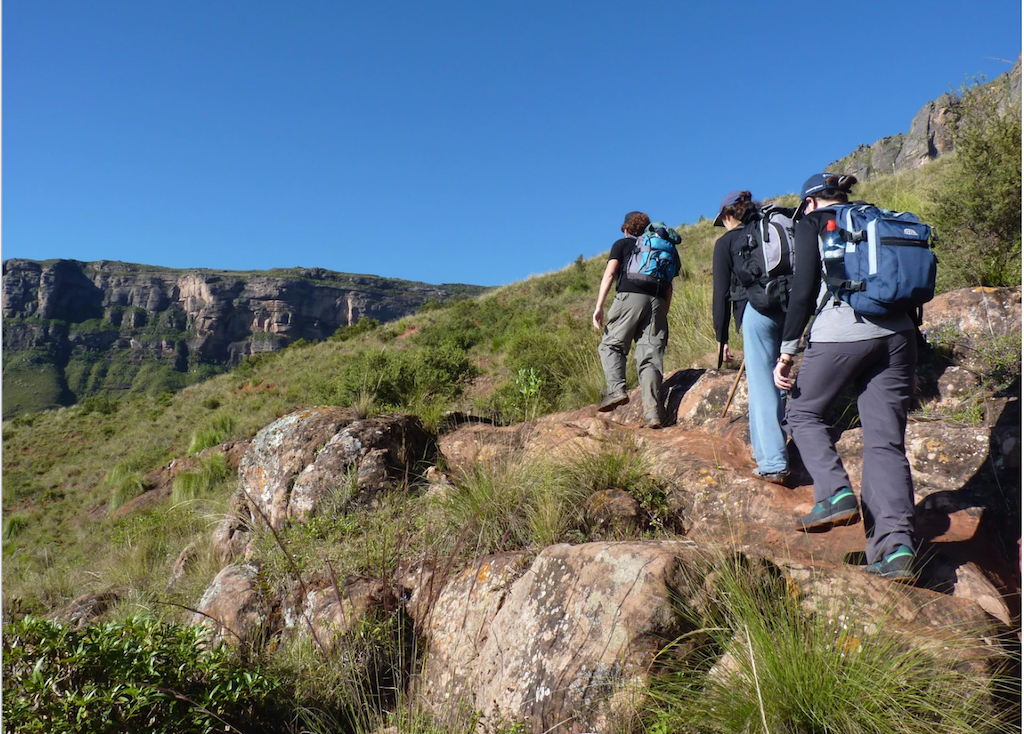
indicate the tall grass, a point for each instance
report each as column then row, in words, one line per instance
column 127, row 478
column 209, row 472
column 216, row 432
column 756, row 661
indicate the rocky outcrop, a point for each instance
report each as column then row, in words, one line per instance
column 306, row 459
column 567, row 644
column 236, row 608
column 565, row 638
column 931, row 134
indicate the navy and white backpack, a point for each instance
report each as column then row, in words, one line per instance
column 654, row 259
column 889, row 265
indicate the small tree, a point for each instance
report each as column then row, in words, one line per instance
column 978, row 213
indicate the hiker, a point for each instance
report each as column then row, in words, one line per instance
column 761, row 321
column 877, row 354
column 639, row 312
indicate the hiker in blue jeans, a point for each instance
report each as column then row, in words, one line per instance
column 877, row 354
column 762, row 339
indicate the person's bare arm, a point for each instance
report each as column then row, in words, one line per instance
column 602, row 293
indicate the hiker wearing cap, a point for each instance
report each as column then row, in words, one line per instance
column 761, row 324
column 876, row 354
column 639, row 313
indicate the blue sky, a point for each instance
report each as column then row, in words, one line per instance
column 474, row 142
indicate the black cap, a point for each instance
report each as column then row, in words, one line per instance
column 814, row 184
column 629, row 215
column 733, row 197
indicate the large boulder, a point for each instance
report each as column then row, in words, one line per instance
column 965, row 502
column 568, row 645
column 236, row 608
column 301, row 462
column 972, row 322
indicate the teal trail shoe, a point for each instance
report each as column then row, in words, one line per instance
column 839, row 509
column 898, row 565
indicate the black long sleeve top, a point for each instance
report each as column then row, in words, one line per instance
column 722, row 278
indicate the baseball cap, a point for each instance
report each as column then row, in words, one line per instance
column 733, row 197
column 815, row 184
column 629, row 215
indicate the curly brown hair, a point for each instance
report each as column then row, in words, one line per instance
column 635, row 225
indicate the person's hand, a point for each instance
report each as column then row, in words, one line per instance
column 599, row 318
column 726, row 354
column 782, row 371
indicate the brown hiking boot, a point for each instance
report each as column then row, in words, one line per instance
column 613, row 401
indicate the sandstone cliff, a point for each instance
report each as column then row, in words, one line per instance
column 65, row 312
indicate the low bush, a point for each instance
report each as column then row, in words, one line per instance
column 363, row 326
column 978, row 205
column 139, row 675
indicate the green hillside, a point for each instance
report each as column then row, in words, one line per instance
column 512, row 354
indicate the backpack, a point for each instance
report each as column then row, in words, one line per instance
column 654, row 259
column 889, row 265
column 762, row 259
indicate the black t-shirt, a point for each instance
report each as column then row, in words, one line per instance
column 621, row 251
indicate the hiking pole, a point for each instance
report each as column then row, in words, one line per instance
column 734, row 386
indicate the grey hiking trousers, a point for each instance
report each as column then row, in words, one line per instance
column 635, row 317
column 883, row 371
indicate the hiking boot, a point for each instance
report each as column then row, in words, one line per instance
column 654, row 423
column 898, row 565
column 775, row 477
column 613, row 401
column 839, row 509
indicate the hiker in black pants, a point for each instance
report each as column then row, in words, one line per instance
column 878, row 355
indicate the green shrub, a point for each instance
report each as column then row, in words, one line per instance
column 363, row 326
column 978, row 207
column 397, row 379
column 139, row 675
column 99, row 404
column 754, row 660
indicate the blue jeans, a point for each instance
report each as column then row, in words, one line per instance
column 762, row 338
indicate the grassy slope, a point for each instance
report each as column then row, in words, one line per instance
column 54, row 464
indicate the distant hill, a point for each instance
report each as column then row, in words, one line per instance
column 75, row 329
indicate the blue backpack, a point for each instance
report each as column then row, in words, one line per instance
column 889, row 262
column 654, row 259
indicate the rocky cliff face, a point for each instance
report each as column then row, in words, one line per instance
column 67, row 310
column 930, row 135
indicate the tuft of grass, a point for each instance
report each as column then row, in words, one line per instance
column 14, row 525
column 127, row 478
column 756, row 661
column 211, row 435
column 490, row 508
column 193, row 483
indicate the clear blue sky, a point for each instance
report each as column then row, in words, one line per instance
column 474, row 141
